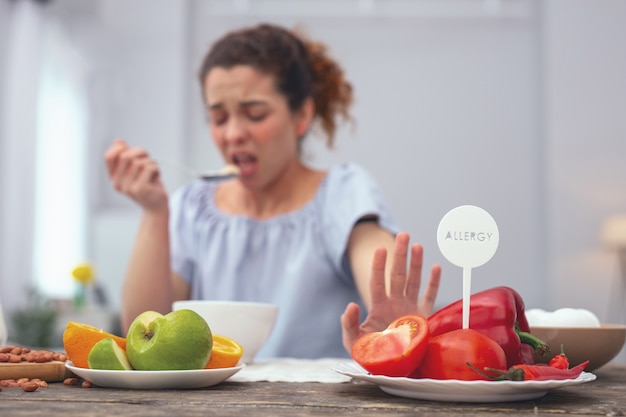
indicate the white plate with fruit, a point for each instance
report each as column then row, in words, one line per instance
column 132, row 379
column 172, row 351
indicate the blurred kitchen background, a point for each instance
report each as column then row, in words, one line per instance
column 517, row 106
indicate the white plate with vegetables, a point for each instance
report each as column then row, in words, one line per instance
column 461, row 391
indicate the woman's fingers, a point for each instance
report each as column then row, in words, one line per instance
column 137, row 167
column 350, row 325
column 397, row 276
column 427, row 302
column 111, row 156
column 414, row 279
column 377, row 281
column 131, row 160
column 149, row 172
column 134, row 173
column 130, row 165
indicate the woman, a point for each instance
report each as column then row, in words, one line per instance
column 313, row 242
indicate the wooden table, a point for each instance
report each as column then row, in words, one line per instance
column 606, row 396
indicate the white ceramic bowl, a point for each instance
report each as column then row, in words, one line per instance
column 248, row 323
column 597, row 344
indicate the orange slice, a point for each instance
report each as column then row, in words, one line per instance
column 225, row 353
column 79, row 338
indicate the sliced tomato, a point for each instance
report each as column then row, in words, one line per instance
column 397, row 350
column 448, row 354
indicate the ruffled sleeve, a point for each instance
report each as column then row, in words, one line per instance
column 350, row 194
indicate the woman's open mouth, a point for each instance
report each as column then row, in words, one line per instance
column 247, row 163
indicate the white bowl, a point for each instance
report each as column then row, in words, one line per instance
column 248, row 323
column 599, row 345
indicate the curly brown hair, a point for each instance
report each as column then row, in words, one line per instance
column 301, row 67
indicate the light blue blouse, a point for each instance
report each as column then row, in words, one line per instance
column 296, row 260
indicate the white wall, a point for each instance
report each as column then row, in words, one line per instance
column 4, row 32
column 585, row 131
column 17, row 138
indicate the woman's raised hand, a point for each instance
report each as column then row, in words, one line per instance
column 402, row 298
column 133, row 173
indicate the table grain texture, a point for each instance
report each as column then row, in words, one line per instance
column 606, row 396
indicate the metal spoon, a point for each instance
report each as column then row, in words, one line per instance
column 229, row 171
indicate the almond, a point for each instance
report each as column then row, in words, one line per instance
column 30, row 386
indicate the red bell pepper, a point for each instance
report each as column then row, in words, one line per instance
column 498, row 313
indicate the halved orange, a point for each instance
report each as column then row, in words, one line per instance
column 225, row 353
column 79, row 338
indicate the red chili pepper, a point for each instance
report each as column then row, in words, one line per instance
column 559, row 361
column 540, row 372
column 498, row 313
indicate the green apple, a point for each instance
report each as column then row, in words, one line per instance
column 106, row 354
column 181, row 339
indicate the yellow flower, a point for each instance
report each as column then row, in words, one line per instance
column 83, row 273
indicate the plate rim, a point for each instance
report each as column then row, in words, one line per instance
column 486, row 391
column 94, row 376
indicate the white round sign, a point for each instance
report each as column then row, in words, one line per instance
column 468, row 236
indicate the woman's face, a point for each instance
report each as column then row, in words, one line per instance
column 251, row 123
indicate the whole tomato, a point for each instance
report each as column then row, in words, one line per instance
column 397, row 350
column 448, row 354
